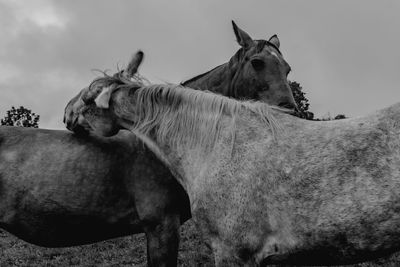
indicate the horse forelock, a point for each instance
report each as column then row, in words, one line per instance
column 262, row 43
column 118, row 80
column 258, row 48
column 183, row 116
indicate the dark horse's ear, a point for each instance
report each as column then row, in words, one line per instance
column 275, row 40
column 133, row 65
column 242, row 37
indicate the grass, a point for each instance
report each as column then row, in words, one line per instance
column 127, row 251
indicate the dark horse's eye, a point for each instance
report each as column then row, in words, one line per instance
column 257, row 64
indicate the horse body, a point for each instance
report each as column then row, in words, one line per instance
column 332, row 199
column 51, row 196
column 265, row 187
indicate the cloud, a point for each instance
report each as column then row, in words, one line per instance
column 19, row 16
column 41, row 13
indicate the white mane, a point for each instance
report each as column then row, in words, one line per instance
column 186, row 116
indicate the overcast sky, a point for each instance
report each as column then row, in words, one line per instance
column 345, row 54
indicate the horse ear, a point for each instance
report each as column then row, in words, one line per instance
column 133, row 65
column 242, row 37
column 275, row 40
column 103, row 99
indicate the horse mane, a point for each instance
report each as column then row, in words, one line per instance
column 181, row 115
column 195, row 78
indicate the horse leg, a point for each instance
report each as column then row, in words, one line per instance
column 163, row 242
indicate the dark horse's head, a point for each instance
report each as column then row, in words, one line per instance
column 257, row 71
column 261, row 68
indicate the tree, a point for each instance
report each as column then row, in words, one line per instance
column 21, row 117
column 340, row 116
column 301, row 101
column 303, row 105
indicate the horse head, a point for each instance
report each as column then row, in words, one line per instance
column 260, row 67
column 82, row 113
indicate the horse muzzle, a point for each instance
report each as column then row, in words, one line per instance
column 78, row 125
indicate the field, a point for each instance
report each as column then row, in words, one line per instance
column 127, row 251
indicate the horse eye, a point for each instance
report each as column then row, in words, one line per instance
column 257, row 64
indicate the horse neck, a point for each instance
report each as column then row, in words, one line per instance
column 217, row 80
column 191, row 166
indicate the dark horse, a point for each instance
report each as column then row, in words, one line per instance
column 52, row 199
